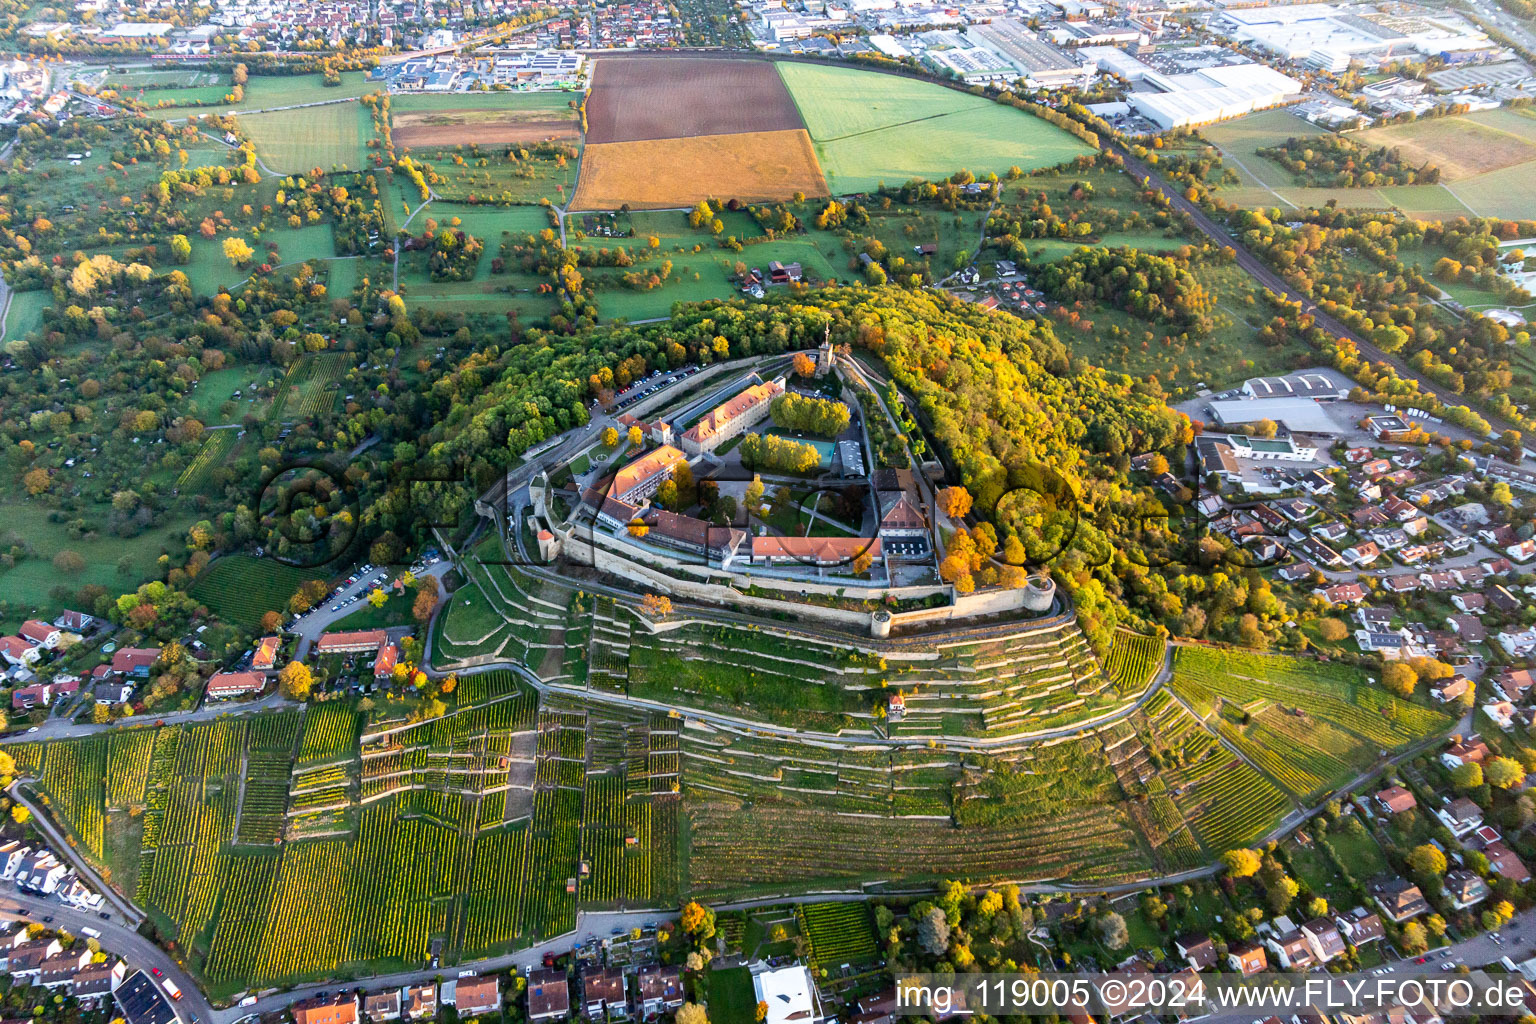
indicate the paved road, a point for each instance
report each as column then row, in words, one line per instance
column 1260, row 272
column 63, row 728
column 58, row 843
column 310, row 625
column 117, row 938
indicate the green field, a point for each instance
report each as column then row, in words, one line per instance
column 242, row 589
column 263, row 92
column 411, row 101
column 295, row 141
column 209, row 270
column 1461, row 146
column 870, row 129
column 26, row 586
column 25, row 313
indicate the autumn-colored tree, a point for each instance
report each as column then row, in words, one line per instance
column 35, row 481
column 1241, row 863
column 805, row 366
column 1158, row 464
column 862, row 561
column 636, row 436
column 1503, row 773
column 426, row 600
column 1426, row 859
column 377, row 598
column 1400, row 678
column 637, row 528
column 954, row 502
column 238, row 251
column 296, row 680
column 1332, row 630
column 610, row 437
column 656, row 606
column 271, row 622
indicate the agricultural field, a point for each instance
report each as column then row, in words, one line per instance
column 426, row 121
column 242, row 589
column 264, row 92
column 212, row 454
column 331, row 137
column 24, row 313
column 635, row 99
column 1308, row 726
column 310, row 387
column 661, row 174
column 869, row 128
column 1133, row 660
column 1481, row 156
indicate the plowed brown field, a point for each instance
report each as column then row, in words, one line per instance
column 639, row 98
column 424, row 129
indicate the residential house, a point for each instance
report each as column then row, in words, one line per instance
column 59, row 970
column 380, row 1006
column 473, row 996
column 602, row 989
column 265, row 657
column 1502, row 601
column 1472, row 604
column 134, row 662
column 40, row 871
column 1388, row 645
column 1473, row 751
column 549, row 995
column 1291, row 950
column 43, row 634
column 1374, row 620
column 1504, row 861
column 1465, row 889
column 1447, row 690
column 1197, row 950
column 337, row 1009
column 223, row 685
column 661, row 990
column 1399, row 899
column 1468, row 627
column 96, row 981
column 1501, row 713
column 24, row 961
column 113, row 693
column 1323, row 939
column 419, row 1002
column 1395, row 800
column 18, row 651
column 1342, row 593
column 1514, row 683
column 1461, row 816
column 1360, row 926
column 75, row 622
column 1247, row 958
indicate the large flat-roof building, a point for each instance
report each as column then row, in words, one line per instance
column 1212, row 94
column 788, row 993
column 1313, row 384
column 1303, row 414
column 142, row 1002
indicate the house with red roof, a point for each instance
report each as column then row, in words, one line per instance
column 44, row 634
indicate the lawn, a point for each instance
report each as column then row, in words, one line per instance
column 25, row 588
column 209, row 270
column 870, row 129
column 295, row 141
column 25, row 313
column 731, row 997
column 263, row 92
column 240, row 589
column 214, row 389
column 394, row 612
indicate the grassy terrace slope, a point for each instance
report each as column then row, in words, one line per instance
column 1308, row 726
column 870, row 128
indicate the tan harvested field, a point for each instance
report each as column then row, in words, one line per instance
column 1462, row 147
column 639, row 98
column 663, row 173
column 436, row 128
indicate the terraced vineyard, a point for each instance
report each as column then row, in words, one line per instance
column 1309, row 726
column 839, row 933
column 1133, row 660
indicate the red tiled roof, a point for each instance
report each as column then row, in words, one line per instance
column 733, row 408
